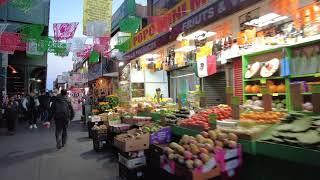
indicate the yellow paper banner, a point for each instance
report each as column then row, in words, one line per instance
column 97, row 10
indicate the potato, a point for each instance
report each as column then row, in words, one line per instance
column 200, row 138
column 187, row 155
column 194, row 149
column 168, row 150
column 233, row 137
column 209, row 147
column 222, row 136
column 205, row 134
column 219, row 143
column 207, row 140
column 212, row 134
column 203, row 150
column 189, row 164
column 171, row 156
column 198, row 163
column 204, row 157
column 200, row 145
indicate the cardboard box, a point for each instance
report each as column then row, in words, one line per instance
column 134, row 144
column 132, row 163
column 172, row 167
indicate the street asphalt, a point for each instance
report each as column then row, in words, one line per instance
column 31, row 155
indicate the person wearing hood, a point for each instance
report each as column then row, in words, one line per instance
column 62, row 112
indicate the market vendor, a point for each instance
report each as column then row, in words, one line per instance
column 158, row 97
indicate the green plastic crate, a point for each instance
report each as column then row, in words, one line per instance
column 290, row 153
column 180, row 131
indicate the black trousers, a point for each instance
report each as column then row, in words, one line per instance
column 61, row 131
column 11, row 120
column 32, row 117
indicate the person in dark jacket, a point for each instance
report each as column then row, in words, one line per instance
column 11, row 114
column 62, row 112
column 44, row 107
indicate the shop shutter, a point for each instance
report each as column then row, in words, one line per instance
column 215, row 89
column 237, row 73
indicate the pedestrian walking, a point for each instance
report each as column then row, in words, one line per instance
column 30, row 105
column 44, row 107
column 62, row 112
column 11, row 115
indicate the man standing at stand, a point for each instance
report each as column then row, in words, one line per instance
column 62, row 112
column 30, row 105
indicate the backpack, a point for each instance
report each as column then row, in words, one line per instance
column 62, row 109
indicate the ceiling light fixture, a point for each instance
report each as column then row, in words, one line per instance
column 186, row 49
column 266, row 20
column 198, row 35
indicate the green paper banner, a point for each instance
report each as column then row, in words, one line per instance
column 31, row 31
column 130, row 24
column 94, row 57
column 124, row 44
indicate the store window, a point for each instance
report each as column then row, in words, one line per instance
column 181, row 82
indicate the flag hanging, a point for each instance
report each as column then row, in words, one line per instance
column 31, row 31
column 101, row 44
column 44, row 43
column 64, row 31
column 160, row 23
column 2, row 2
column 97, row 11
column 130, row 24
column 9, row 42
column 94, row 57
column 32, row 48
column 76, row 44
column 85, row 52
column 96, row 28
column 206, row 66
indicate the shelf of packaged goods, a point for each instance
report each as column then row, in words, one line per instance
column 290, row 153
column 305, row 75
column 259, row 79
column 259, row 94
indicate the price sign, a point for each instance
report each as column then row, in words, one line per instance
column 213, row 121
column 263, row 81
column 235, row 100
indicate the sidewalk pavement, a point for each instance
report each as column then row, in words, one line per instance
column 31, row 155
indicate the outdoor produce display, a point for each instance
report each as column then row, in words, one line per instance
column 196, row 152
column 172, row 117
column 262, row 117
column 296, row 129
column 201, row 119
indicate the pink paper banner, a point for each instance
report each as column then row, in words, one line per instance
column 2, row 2
column 85, row 52
column 64, row 31
column 9, row 42
column 101, row 44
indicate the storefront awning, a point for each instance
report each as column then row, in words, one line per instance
column 198, row 19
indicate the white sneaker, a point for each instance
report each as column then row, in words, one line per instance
column 35, row 126
column 30, row 127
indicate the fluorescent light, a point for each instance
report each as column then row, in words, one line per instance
column 186, row 49
column 266, row 20
column 198, row 35
column 150, row 56
column 121, row 64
